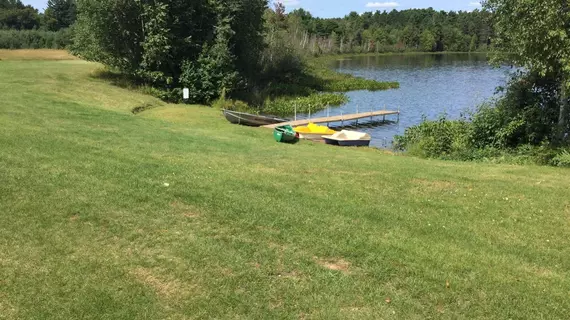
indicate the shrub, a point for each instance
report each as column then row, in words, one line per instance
column 516, row 128
column 223, row 103
column 437, row 139
column 35, row 39
column 562, row 159
column 286, row 106
column 212, row 74
column 526, row 114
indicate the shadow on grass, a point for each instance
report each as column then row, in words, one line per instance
column 128, row 82
column 117, row 79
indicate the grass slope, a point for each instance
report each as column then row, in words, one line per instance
column 250, row 229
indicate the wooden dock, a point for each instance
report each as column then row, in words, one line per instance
column 341, row 118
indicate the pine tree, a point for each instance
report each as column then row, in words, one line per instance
column 60, row 14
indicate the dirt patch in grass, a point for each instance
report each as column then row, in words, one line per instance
column 334, row 264
column 36, row 54
column 186, row 210
column 162, row 286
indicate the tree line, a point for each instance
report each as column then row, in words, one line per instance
column 59, row 14
column 424, row 30
column 24, row 27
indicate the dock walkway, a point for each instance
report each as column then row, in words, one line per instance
column 341, row 118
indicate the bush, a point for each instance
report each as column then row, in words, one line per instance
column 455, row 140
column 517, row 128
column 562, row 159
column 35, row 39
column 286, row 106
column 437, row 139
column 212, row 74
column 235, row 105
column 526, row 114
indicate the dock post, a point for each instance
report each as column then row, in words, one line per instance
column 295, row 112
column 398, row 120
column 341, row 120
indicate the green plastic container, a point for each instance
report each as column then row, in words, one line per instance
column 285, row 134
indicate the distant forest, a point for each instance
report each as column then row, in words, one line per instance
column 24, row 27
column 424, row 30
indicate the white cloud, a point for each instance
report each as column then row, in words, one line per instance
column 474, row 4
column 289, row 3
column 391, row 4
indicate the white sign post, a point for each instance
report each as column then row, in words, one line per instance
column 185, row 93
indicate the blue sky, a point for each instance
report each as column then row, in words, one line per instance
column 339, row 8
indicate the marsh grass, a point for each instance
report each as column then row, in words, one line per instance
column 175, row 213
column 286, row 106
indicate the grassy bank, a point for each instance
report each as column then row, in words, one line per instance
column 175, row 213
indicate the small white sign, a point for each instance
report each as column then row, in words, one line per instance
column 186, row 93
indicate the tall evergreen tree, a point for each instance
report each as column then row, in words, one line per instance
column 60, row 14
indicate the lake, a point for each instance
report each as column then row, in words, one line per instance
column 430, row 85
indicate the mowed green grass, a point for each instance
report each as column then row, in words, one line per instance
column 250, row 229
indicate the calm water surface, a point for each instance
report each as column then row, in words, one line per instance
column 430, row 85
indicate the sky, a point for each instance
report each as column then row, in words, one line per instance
column 340, row 8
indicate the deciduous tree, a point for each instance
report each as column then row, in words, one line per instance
column 536, row 37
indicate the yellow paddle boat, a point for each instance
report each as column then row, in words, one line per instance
column 314, row 131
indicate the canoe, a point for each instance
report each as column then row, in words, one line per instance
column 347, row 138
column 252, row 120
column 314, row 131
column 285, row 134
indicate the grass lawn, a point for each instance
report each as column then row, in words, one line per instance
column 174, row 213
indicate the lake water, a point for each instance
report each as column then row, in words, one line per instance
column 430, row 85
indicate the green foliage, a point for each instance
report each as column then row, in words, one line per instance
column 286, row 106
column 325, row 79
column 517, row 128
column 288, row 80
column 455, row 140
column 344, row 83
column 209, row 46
column 436, row 139
column 237, row 105
column 60, row 14
column 35, row 39
column 541, row 48
column 427, row 41
column 213, row 74
column 394, row 31
column 15, row 15
column 534, row 111
column 473, row 44
column 526, row 114
column 562, row 159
